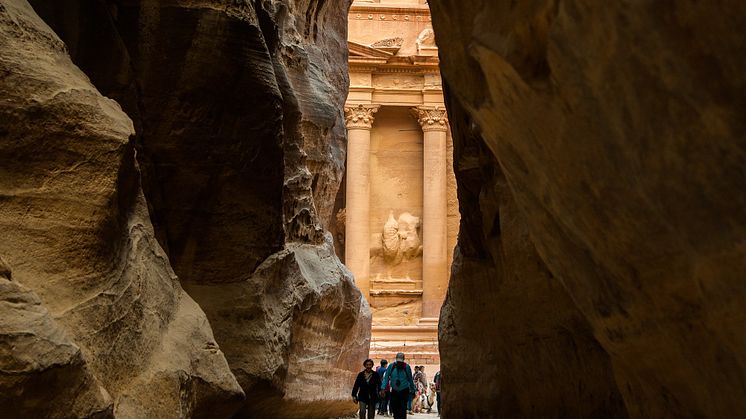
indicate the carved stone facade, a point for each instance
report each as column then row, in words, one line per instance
column 400, row 204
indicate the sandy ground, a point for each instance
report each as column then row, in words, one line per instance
column 414, row 416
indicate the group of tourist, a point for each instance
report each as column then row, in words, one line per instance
column 394, row 389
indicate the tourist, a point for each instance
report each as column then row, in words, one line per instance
column 399, row 377
column 423, row 376
column 423, row 388
column 414, row 398
column 437, row 390
column 365, row 390
column 383, row 403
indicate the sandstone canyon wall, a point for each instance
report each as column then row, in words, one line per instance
column 600, row 155
column 216, row 176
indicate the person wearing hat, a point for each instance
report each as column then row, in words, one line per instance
column 399, row 377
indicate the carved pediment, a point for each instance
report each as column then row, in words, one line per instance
column 391, row 45
column 364, row 51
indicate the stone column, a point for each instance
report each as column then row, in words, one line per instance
column 359, row 120
column 434, row 124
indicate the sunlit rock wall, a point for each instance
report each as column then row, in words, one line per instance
column 618, row 128
column 238, row 134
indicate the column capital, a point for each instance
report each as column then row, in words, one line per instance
column 431, row 118
column 360, row 116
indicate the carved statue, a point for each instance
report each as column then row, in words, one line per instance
column 400, row 240
column 426, row 39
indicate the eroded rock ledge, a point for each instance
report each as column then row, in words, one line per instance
column 600, row 158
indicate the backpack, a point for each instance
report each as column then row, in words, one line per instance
column 400, row 375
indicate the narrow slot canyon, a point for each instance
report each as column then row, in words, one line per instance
column 220, row 209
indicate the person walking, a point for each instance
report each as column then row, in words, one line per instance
column 437, row 390
column 383, row 402
column 399, row 376
column 365, row 390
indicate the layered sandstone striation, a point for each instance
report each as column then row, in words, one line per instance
column 236, row 136
column 600, row 159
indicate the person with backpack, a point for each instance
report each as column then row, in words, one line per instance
column 365, row 390
column 399, row 377
column 383, row 404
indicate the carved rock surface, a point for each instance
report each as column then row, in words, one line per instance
column 619, row 130
column 237, row 108
column 74, row 226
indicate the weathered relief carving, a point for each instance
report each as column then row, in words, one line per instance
column 400, row 239
column 391, row 45
column 426, row 40
column 398, row 81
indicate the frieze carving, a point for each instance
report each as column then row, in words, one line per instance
column 400, row 240
column 393, row 16
column 360, row 116
column 431, row 118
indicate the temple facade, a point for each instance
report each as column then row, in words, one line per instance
column 401, row 212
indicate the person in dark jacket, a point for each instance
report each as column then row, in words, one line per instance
column 383, row 403
column 365, row 390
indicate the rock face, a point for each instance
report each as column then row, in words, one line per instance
column 237, row 142
column 42, row 370
column 521, row 334
column 600, row 159
column 74, row 226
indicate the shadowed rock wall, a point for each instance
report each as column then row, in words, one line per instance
column 238, row 135
column 618, row 135
column 507, row 324
column 107, row 328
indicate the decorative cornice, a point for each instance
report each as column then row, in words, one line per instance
column 413, row 13
column 431, row 118
column 360, row 116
